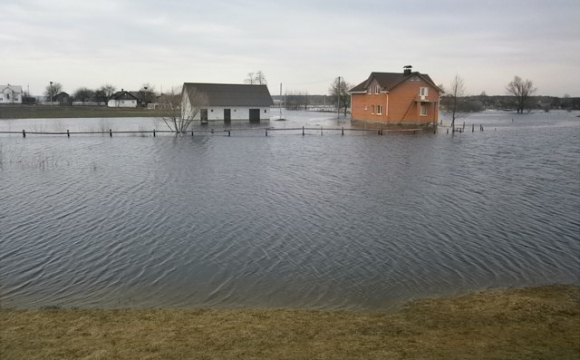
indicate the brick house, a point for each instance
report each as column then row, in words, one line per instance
column 406, row 98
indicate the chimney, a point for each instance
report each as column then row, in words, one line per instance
column 407, row 70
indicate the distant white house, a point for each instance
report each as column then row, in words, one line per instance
column 228, row 102
column 10, row 94
column 123, row 99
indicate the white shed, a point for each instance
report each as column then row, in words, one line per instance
column 228, row 102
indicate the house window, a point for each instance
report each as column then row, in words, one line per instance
column 366, row 108
column 264, row 111
column 372, row 109
column 423, row 91
column 377, row 89
column 379, row 110
column 423, row 110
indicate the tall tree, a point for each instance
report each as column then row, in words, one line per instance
column 339, row 95
column 523, row 90
column 177, row 114
column 52, row 90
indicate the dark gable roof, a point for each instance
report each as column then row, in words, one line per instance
column 233, row 94
column 123, row 95
column 388, row 81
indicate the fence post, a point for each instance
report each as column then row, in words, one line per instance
column 321, row 131
column 303, row 131
column 472, row 127
column 191, row 132
column 110, row 132
column 343, row 131
column 23, row 133
column 212, row 131
column 229, row 134
column 153, row 132
column 67, row 133
column 266, row 132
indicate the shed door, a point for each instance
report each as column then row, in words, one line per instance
column 227, row 115
column 254, row 115
column 203, row 115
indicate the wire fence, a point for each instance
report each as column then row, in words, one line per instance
column 224, row 132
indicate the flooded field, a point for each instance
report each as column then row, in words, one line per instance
column 359, row 221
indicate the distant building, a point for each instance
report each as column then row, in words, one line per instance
column 228, row 102
column 405, row 98
column 123, row 99
column 11, row 94
column 62, row 98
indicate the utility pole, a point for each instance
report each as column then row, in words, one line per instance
column 338, row 100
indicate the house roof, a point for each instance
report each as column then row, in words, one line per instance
column 388, row 81
column 232, row 94
column 123, row 95
column 14, row 88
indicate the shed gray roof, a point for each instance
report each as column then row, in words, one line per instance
column 233, row 94
column 388, row 81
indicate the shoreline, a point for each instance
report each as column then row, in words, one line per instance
column 532, row 323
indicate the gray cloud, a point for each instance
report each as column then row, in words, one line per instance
column 304, row 44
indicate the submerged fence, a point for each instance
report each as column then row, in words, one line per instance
column 225, row 132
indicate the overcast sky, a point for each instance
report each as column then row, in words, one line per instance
column 304, row 44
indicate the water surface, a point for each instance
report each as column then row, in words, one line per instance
column 335, row 222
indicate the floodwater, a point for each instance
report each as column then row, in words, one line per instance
column 356, row 222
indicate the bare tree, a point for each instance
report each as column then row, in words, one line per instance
column 52, row 90
column 454, row 100
column 523, row 90
column 256, row 78
column 339, row 95
column 108, row 90
column 84, row 94
column 250, row 78
column 179, row 110
column 260, row 78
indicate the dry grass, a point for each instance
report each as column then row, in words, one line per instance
column 534, row 323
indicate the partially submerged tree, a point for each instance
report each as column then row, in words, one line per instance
column 453, row 102
column 339, row 95
column 523, row 90
column 180, row 109
column 296, row 100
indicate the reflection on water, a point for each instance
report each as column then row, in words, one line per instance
column 341, row 222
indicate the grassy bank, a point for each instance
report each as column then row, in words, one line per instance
column 532, row 323
column 41, row 112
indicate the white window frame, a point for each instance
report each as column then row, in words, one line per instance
column 423, row 91
column 423, row 110
column 379, row 110
column 377, row 89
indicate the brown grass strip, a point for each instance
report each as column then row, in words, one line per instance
column 530, row 323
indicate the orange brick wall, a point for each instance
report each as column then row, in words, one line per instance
column 396, row 103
